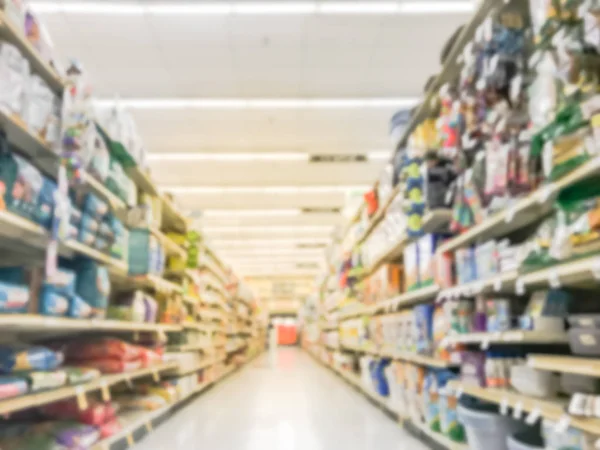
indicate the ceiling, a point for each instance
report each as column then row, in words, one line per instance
column 257, row 83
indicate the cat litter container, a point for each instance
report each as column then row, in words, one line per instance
column 525, row 440
column 486, row 428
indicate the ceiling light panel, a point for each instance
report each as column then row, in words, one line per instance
column 228, row 157
column 251, row 213
column 255, row 8
column 268, row 104
column 315, row 228
column 274, row 242
column 262, row 189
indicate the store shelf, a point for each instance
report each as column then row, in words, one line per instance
column 15, row 228
column 355, row 310
column 46, row 324
column 88, row 183
column 378, row 216
column 407, row 299
column 439, row 438
column 525, row 212
column 43, row 398
column 81, row 249
column 142, row 180
column 188, row 348
column 206, row 328
column 433, row 221
column 420, row 360
column 576, row 273
column 508, row 337
column 29, row 144
column 504, row 282
column 172, row 219
column 12, row 34
column 552, row 409
column 155, row 282
column 565, row 364
column 206, row 362
column 171, row 247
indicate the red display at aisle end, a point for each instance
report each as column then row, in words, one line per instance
column 287, row 334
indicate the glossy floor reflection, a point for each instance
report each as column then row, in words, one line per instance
column 295, row 405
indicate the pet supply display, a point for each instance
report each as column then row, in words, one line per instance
column 12, row 386
column 484, row 425
column 39, row 381
column 21, row 357
column 536, row 383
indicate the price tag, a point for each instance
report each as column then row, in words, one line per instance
column 129, row 383
column 563, row 424
column 478, row 288
column 597, row 444
column 520, row 287
column 459, row 392
column 130, row 440
column 155, row 375
column 105, row 391
column 485, row 344
column 498, row 284
column 554, row 280
column 149, row 427
column 510, row 214
column 544, row 193
column 82, row 402
column 533, row 416
column 518, row 411
column 444, row 343
column 596, row 268
column 504, row 406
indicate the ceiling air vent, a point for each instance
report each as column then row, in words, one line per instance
column 321, row 210
column 334, row 158
column 309, row 246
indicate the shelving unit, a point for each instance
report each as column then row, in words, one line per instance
column 383, row 403
column 23, row 242
column 103, row 383
column 552, row 409
column 565, row 364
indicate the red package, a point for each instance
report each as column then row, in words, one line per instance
column 96, row 414
column 108, row 365
column 109, row 429
column 103, row 348
column 372, row 202
column 149, row 358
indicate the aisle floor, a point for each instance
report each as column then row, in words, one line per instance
column 294, row 405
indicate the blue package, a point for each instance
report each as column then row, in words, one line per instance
column 14, row 298
column 86, row 237
column 95, row 207
column 75, row 217
column 79, row 309
column 89, row 223
column 45, row 207
column 423, row 328
column 17, row 357
column 93, row 285
column 53, row 303
column 63, row 281
column 378, row 376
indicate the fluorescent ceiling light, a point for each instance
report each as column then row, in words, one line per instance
column 235, row 157
column 262, row 189
column 266, row 228
column 276, row 242
column 255, row 8
column 251, row 212
column 234, row 252
column 244, row 104
column 380, row 155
